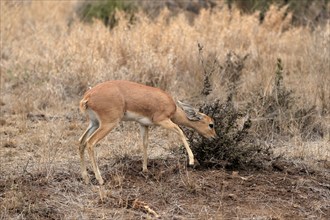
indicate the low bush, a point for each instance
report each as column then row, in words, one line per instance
column 244, row 130
column 277, row 114
column 236, row 146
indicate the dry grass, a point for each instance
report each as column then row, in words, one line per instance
column 49, row 58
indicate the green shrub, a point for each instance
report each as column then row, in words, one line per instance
column 304, row 11
column 105, row 10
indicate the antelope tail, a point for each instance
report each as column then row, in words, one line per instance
column 83, row 105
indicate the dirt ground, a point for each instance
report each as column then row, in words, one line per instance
column 40, row 179
column 169, row 191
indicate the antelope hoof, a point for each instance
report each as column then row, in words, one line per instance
column 194, row 165
column 101, row 182
column 86, row 180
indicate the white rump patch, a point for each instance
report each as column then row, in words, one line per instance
column 132, row 116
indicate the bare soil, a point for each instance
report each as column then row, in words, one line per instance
column 168, row 191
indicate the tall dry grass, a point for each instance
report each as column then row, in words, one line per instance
column 49, row 57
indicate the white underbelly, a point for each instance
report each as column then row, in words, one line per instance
column 131, row 116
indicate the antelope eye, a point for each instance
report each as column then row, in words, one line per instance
column 211, row 125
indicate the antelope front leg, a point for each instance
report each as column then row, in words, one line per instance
column 168, row 124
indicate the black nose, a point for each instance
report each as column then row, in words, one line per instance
column 213, row 138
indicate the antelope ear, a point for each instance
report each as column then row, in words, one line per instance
column 191, row 113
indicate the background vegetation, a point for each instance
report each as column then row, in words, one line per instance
column 264, row 78
column 304, row 12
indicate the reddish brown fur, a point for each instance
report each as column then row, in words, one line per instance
column 110, row 102
column 116, row 97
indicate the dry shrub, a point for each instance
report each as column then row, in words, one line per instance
column 236, row 146
column 244, row 131
column 277, row 114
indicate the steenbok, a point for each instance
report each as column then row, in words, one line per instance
column 113, row 101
